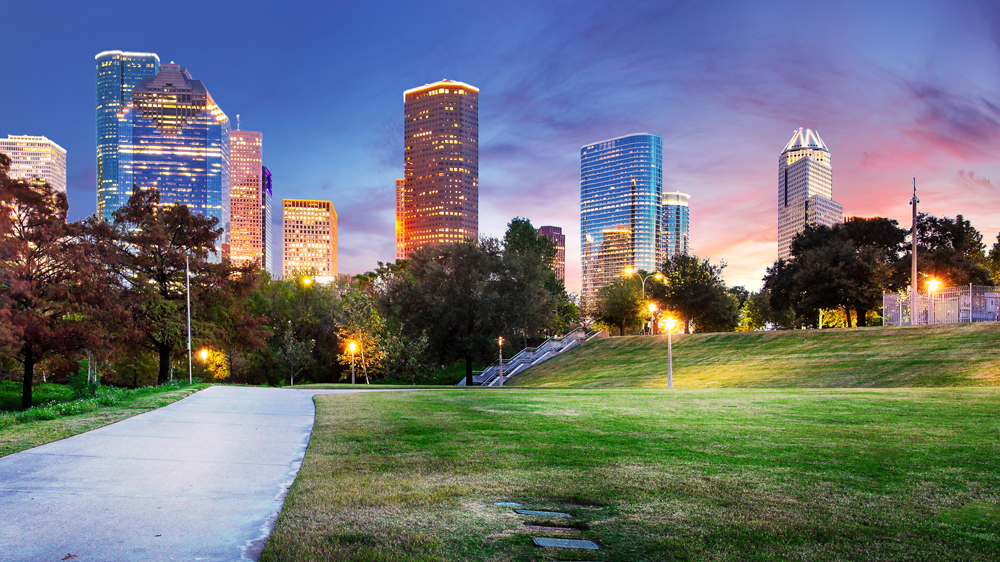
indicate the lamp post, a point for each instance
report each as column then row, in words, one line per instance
column 652, row 319
column 657, row 276
column 932, row 286
column 352, row 347
column 500, row 345
column 187, row 279
column 670, row 353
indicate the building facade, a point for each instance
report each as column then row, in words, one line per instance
column 266, row 226
column 400, row 218
column 621, row 198
column 555, row 234
column 676, row 224
column 245, row 203
column 805, row 188
column 440, row 194
column 117, row 74
column 174, row 138
column 35, row 160
column 309, row 231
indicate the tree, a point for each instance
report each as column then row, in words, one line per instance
column 993, row 261
column 360, row 322
column 949, row 250
column 295, row 355
column 693, row 289
column 52, row 290
column 147, row 245
column 534, row 294
column 620, row 305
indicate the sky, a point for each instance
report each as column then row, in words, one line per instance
column 895, row 89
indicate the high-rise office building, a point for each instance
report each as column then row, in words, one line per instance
column 621, row 198
column 117, row 73
column 174, row 138
column 400, row 217
column 676, row 224
column 555, row 234
column 805, row 188
column 266, row 228
column 245, row 204
column 36, row 160
column 309, row 231
column 440, row 194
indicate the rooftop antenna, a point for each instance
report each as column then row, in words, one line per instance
column 237, row 121
column 913, row 238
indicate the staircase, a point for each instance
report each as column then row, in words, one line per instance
column 531, row 356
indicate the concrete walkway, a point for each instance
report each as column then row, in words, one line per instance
column 200, row 479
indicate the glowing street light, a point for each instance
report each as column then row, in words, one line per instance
column 307, row 281
column 500, row 344
column 932, row 286
column 352, row 346
column 670, row 353
column 204, row 355
column 652, row 319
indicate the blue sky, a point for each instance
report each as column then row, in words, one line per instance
column 894, row 88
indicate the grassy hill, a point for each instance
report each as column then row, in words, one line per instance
column 923, row 356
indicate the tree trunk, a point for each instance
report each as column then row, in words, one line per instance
column 621, row 328
column 847, row 312
column 164, row 374
column 468, row 369
column 29, row 375
column 862, row 317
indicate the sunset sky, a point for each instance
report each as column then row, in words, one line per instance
column 897, row 89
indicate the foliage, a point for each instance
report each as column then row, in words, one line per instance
column 949, row 250
column 295, row 355
column 620, row 306
column 694, row 290
column 83, row 383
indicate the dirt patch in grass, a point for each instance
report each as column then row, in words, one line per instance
column 649, row 475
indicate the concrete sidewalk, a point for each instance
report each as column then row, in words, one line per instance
column 200, row 479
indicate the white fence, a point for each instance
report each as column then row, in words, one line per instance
column 972, row 303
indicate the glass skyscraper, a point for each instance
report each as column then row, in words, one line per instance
column 174, row 138
column 676, row 224
column 621, row 198
column 266, row 228
column 117, row 73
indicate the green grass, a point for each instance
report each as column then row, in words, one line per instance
column 58, row 419
column 956, row 355
column 44, row 393
column 649, row 474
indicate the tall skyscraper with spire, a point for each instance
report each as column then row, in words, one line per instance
column 439, row 197
column 117, row 73
column 621, row 208
column 805, row 188
column 174, row 138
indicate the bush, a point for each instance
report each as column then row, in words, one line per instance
column 81, row 383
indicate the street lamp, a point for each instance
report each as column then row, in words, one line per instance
column 652, row 319
column 204, row 355
column 932, row 285
column 352, row 347
column 306, row 281
column 670, row 353
column 658, row 276
column 500, row 343
column 187, row 280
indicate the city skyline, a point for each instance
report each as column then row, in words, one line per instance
column 900, row 88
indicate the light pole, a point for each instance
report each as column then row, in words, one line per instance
column 670, row 353
column 657, row 276
column 187, row 276
column 500, row 344
column 352, row 346
column 652, row 318
column 913, row 265
column 932, row 286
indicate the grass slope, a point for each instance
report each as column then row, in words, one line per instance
column 902, row 474
column 956, row 355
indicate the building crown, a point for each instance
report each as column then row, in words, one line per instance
column 805, row 138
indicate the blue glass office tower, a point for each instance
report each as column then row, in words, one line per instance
column 676, row 224
column 621, row 199
column 117, row 73
column 266, row 228
column 174, row 138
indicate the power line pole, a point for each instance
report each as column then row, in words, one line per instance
column 187, row 276
column 913, row 273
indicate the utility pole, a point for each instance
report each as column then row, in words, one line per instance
column 913, row 273
column 187, row 278
column 500, row 342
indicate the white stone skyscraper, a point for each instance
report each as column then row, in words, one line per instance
column 35, row 160
column 805, row 188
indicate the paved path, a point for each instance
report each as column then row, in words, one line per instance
column 200, row 479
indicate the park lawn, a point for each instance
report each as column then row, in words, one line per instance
column 649, row 474
column 922, row 356
column 24, row 430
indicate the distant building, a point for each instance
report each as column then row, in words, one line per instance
column 35, row 160
column 621, row 196
column 245, row 198
column 805, row 188
column 400, row 218
column 174, row 138
column 309, row 231
column 117, row 73
column 555, row 234
column 676, row 224
column 440, row 199
column 266, row 226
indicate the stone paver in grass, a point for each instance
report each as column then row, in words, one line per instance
column 538, row 528
column 542, row 513
column 565, row 543
column 507, row 504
